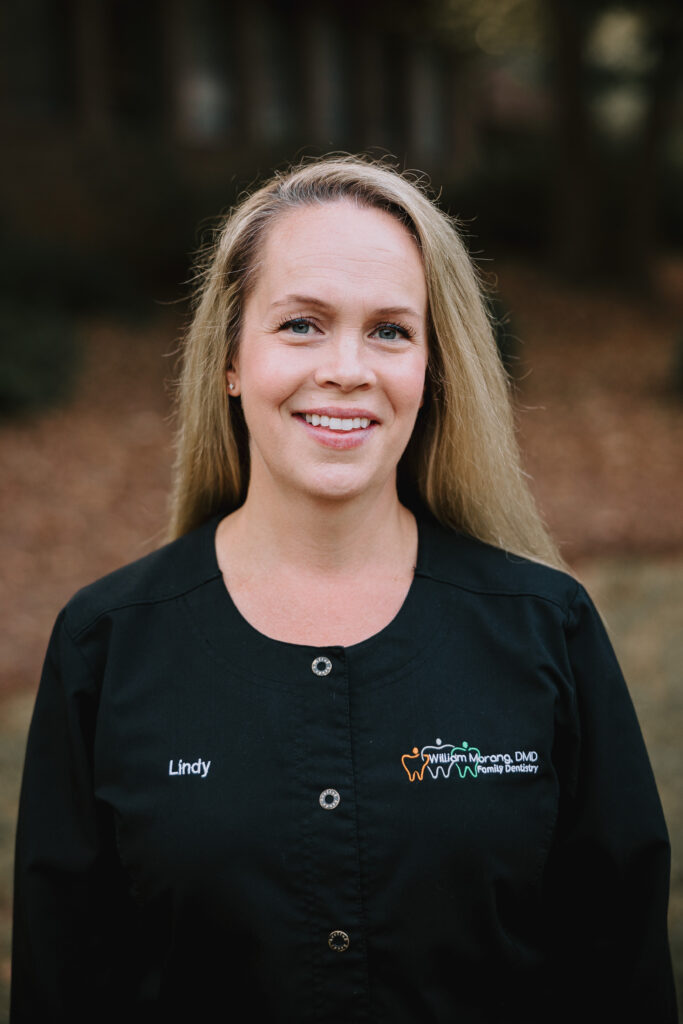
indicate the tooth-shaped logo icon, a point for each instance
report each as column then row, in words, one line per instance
column 466, row 759
column 441, row 758
column 411, row 763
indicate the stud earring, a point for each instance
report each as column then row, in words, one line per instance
column 231, row 386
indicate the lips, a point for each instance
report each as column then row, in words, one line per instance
column 338, row 428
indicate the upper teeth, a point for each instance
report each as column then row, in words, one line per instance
column 335, row 422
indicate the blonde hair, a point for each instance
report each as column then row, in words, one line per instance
column 462, row 460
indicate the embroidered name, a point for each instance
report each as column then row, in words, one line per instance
column 440, row 758
column 197, row 767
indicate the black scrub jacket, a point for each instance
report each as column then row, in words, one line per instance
column 454, row 820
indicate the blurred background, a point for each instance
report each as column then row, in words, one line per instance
column 552, row 128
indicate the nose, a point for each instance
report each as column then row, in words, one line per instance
column 344, row 363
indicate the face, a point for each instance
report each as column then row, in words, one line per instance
column 333, row 353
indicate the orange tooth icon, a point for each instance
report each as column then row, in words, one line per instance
column 412, row 769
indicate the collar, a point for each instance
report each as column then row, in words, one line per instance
column 395, row 651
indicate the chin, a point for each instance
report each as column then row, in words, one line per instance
column 338, row 487
column 335, row 495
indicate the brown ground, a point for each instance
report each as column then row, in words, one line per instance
column 84, row 490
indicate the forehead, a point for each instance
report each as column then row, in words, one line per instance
column 338, row 248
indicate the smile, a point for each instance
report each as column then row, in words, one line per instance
column 336, row 423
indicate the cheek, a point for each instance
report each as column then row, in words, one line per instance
column 268, row 379
column 264, row 372
column 410, row 389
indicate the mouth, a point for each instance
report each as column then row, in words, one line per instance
column 344, row 424
column 331, row 428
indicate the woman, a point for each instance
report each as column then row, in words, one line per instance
column 353, row 747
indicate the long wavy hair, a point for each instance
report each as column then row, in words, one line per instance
column 462, row 460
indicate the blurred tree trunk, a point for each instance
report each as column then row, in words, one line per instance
column 638, row 244
column 575, row 179
column 605, row 217
column 93, row 71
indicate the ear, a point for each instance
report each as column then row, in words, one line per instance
column 233, row 379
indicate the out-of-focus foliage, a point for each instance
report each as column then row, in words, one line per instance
column 51, row 273
column 493, row 27
column 678, row 364
column 39, row 354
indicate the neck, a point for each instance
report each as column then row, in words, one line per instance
column 308, row 535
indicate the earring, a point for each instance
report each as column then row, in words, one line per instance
column 231, row 386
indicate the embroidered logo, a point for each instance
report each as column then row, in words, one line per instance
column 411, row 763
column 197, row 767
column 440, row 758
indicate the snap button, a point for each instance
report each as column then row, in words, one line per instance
column 329, row 799
column 338, row 941
column 321, row 666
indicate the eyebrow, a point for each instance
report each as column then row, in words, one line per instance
column 311, row 300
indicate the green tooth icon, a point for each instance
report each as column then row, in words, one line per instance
column 467, row 759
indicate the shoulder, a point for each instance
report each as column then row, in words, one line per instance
column 458, row 560
column 163, row 575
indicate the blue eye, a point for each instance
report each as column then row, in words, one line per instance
column 391, row 332
column 296, row 326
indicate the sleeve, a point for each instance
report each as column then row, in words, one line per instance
column 608, row 873
column 72, row 913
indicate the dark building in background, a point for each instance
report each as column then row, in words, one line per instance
column 126, row 123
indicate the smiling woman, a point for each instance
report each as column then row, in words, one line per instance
column 353, row 746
